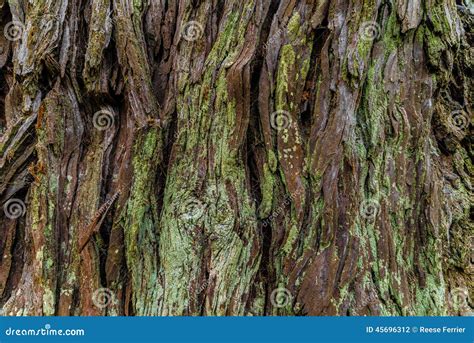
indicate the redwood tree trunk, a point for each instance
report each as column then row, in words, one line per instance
column 214, row 157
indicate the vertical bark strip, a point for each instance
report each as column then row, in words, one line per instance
column 236, row 157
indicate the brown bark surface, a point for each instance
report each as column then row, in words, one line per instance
column 211, row 157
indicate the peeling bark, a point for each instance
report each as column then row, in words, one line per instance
column 236, row 157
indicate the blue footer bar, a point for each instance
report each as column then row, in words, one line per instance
column 237, row 329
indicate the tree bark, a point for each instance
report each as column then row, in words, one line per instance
column 212, row 157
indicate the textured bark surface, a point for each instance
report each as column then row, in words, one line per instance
column 214, row 157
